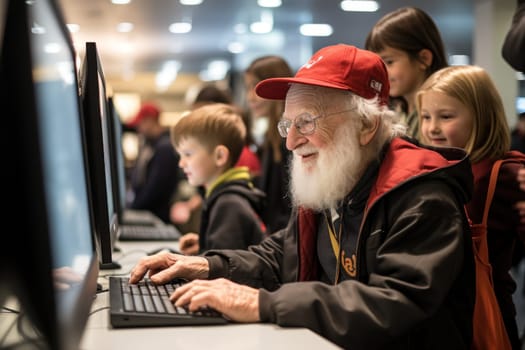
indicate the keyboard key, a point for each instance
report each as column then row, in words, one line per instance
column 128, row 302
column 137, row 301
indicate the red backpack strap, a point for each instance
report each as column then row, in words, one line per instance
column 488, row 326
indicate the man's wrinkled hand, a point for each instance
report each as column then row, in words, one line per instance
column 236, row 302
column 163, row 267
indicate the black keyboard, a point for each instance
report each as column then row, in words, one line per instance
column 149, row 233
column 140, row 218
column 146, row 304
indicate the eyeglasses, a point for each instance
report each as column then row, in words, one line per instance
column 304, row 123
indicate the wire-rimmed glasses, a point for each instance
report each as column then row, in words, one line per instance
column 304, row 123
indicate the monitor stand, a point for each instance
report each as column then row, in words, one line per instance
column 110, row 266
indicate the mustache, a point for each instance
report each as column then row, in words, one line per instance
column 304, row 150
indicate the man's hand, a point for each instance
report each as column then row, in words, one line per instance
column 236, row 302
column 163, row 267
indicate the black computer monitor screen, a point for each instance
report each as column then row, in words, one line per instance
column 4, row 261
column 94, row 103
column 116, row 153
column 54, row 266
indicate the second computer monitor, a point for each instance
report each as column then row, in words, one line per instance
column 95, row 108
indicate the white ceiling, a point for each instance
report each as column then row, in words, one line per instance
column 150, row 43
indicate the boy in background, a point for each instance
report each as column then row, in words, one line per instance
column 209, row 141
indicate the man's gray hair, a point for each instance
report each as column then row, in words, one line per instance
column 371, row 109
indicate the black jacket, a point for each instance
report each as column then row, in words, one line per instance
column 155, row 184
column 231, row 217
column 415, row 281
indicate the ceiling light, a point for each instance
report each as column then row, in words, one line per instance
column 190, row 2
column 269, row 3
column 265, row 25
column 359, row 5
column 180, row 27
column 124, row 27
column 236, row 47
column 316, row 29
column 261, row 27
column 167, row 75
column 215, row 71
column 120, row 2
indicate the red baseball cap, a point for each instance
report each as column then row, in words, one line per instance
column 147, row 110
column 340, row 66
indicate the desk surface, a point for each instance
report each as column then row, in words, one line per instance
column 100, row 336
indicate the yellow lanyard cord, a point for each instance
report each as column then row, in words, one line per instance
column 334, row 240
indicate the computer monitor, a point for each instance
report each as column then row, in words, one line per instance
column 4, row 262
column 53, row 267
column 116, row 154
column 95, row 108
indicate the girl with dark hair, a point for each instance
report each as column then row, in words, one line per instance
column 409, row 42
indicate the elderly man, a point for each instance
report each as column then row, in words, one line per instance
column 377, row 253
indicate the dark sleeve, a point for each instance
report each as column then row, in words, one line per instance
column 163, row 176
column 232, row 224
column 258, row 267
column 504, row 220
column 412, row 265
column 513, row 49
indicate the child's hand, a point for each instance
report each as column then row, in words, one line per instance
column 189, row 244
column 521, row 178
column 180, row 212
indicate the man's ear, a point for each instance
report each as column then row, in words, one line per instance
column 368, row 131
column 221, row 154
column 425, row 57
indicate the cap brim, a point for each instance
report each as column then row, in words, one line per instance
column 276, row 88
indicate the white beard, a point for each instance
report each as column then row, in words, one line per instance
column 324, row 184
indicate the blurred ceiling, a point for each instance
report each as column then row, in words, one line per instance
column 131, row 60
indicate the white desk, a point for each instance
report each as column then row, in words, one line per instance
column 100, row 336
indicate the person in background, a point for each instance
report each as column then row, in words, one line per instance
column 518, row 134
column 513, row 52
column 365, row 261
column 209, row 141
column 459, row 106
column 211, row 93
column 156, row 173
column 184, row 212
column 409, row 42
column 274, row 156
column 513, row 49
